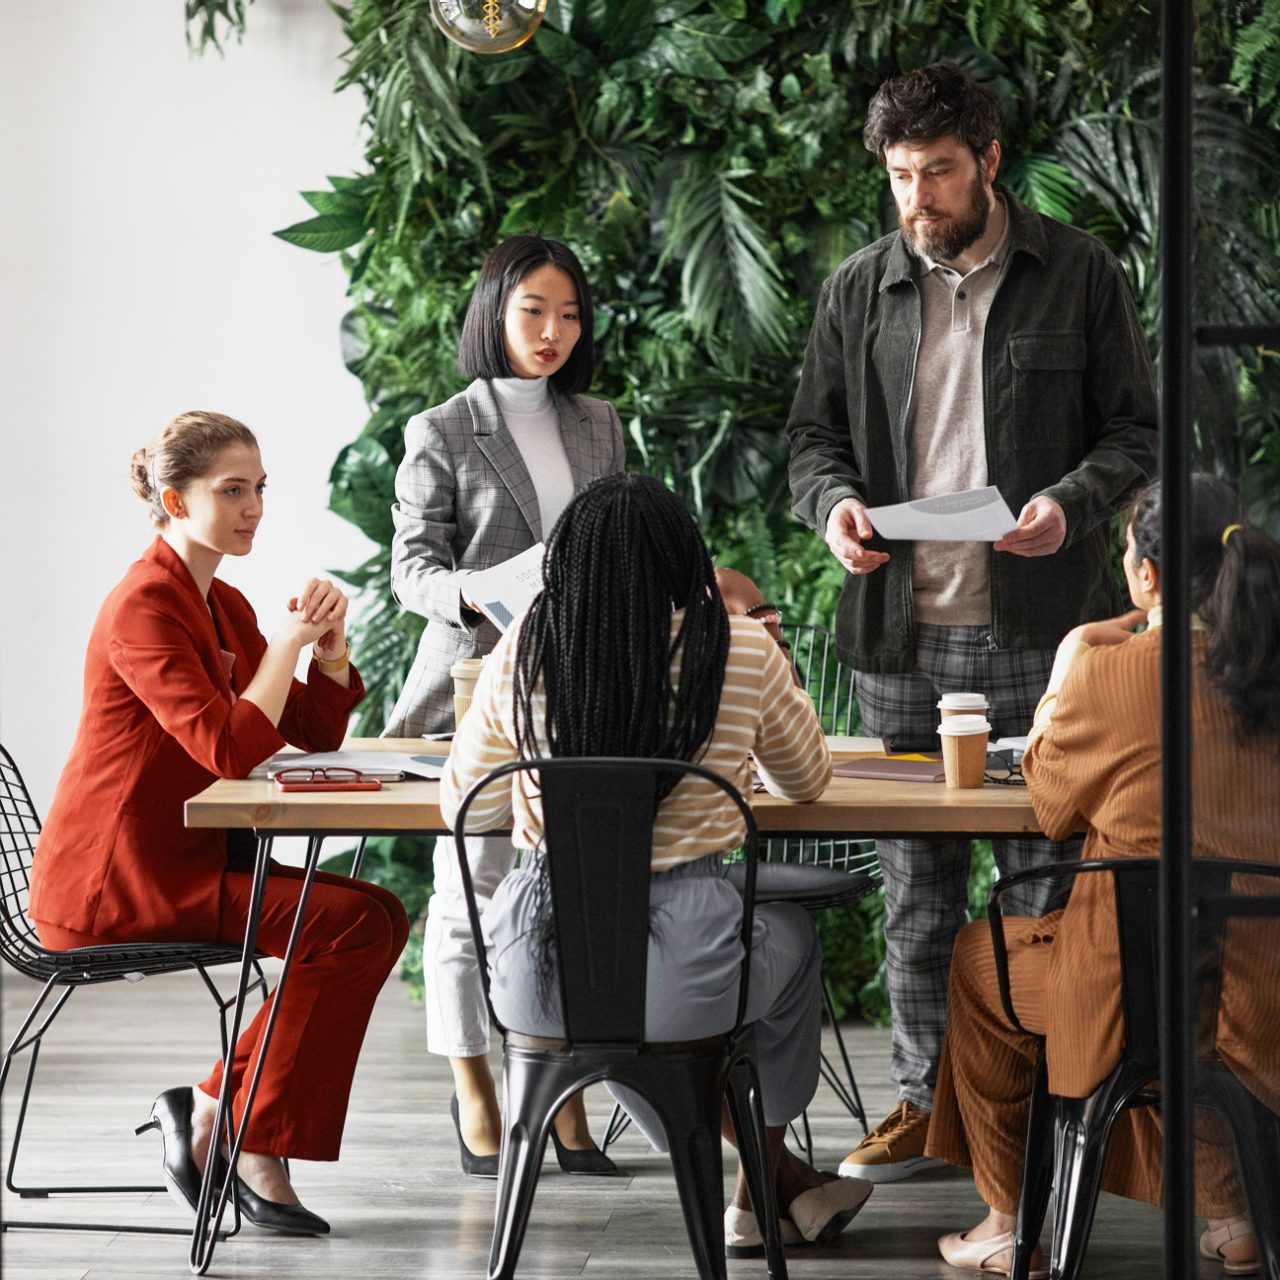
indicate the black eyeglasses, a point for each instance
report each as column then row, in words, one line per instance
column 1003, row 770
column 320, row 775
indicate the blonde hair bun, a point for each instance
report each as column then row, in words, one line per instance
column 183, row 451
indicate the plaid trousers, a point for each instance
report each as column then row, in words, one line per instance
column 926, row 882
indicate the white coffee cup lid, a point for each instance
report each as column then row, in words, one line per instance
column 963, row 726
column 963, row 701
column 466, row 667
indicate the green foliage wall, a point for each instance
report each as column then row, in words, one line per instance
column 704, row 158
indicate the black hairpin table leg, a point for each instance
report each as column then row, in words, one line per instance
column 214, row 1196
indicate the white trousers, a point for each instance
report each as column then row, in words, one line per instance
column 457, row 1019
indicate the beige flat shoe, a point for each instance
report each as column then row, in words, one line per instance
column 742, row 1237
column 1211, row 1243
column 822, row 1213
column 976, row 1255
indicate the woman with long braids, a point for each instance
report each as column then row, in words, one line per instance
column 1094, row 756
column 484, row 477
column 629, row 651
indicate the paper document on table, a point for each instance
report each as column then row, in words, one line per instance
column 855, row 746
column 385, row 766
column 504, row 592
column 974, row 515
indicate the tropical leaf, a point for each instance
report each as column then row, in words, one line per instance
column 1044, row 183
column 361, row 478
column 1256, row 66
column 209, row 22
column 722, row 37
column 729, row 280
column 564, row 53
column 326, row 233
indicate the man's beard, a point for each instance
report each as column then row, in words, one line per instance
column 953, row 236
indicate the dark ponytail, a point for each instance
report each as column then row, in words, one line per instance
column 1235, row 588
column 1242, row 612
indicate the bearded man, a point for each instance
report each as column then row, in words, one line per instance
column 981, row 343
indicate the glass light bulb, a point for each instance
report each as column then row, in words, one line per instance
column 488, row 26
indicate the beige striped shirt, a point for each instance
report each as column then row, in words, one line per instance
column 762, row 711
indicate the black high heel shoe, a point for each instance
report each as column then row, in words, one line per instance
column 288, row 1219
column 588, row 1160
column 171, row 1115
column 476, row 1166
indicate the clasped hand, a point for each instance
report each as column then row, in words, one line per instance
column 317, row 616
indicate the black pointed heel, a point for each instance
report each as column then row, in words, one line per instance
column 171, row 1115
column 476, row 1166
column 590, row 1160
column 288, row 1219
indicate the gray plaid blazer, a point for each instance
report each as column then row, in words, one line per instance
column 464, row 500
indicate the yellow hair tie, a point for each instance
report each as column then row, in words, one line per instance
column 1228, row 531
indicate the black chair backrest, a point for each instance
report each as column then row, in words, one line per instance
column 598, row 816
column 1137, row 895
column 19, row 830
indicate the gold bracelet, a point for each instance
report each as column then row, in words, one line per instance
column 330, row 665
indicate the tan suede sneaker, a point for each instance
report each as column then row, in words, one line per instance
column 894, row 1149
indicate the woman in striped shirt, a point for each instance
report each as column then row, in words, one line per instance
column 630, row 651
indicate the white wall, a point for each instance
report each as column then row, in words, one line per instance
column 139, row 187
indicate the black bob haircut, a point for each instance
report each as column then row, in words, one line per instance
column 930, row 103
column 482, row 353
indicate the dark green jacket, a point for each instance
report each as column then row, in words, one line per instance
column 1070, row 411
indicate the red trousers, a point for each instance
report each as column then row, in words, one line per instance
column 352, row 935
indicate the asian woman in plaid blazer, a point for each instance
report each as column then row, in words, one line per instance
column 484, row 477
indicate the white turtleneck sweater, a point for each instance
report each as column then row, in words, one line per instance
column 531, row 418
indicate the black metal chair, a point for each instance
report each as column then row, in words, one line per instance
column 598, row 819
column 65, row 972
column 1067, row 1137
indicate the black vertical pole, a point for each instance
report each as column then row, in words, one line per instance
column 1175, row 674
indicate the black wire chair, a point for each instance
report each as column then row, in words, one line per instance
column 64, row 972
column 830, row 685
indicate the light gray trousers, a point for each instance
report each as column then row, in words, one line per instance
column 695, row 959
column 457, row 1018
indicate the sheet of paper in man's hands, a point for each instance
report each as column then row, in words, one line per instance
column 504, row 592
column 974, row 515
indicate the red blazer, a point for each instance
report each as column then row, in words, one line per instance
column 158, row 725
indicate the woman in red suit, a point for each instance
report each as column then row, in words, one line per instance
column 180, row 688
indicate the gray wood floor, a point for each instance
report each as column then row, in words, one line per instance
column 398, row 1203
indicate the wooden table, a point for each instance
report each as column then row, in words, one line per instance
column 849, row 807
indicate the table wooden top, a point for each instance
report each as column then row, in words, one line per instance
column 849, row 806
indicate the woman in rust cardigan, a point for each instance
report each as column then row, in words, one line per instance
column 180, row 688
column 1094, row 755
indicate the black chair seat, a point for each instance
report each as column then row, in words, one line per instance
column 807, row 886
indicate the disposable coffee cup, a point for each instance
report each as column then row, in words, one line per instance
column 465, row 673
column 963, row 704
column 964, row 749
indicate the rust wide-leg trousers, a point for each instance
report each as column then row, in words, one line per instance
column 987, row 1070
column 352, row 935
